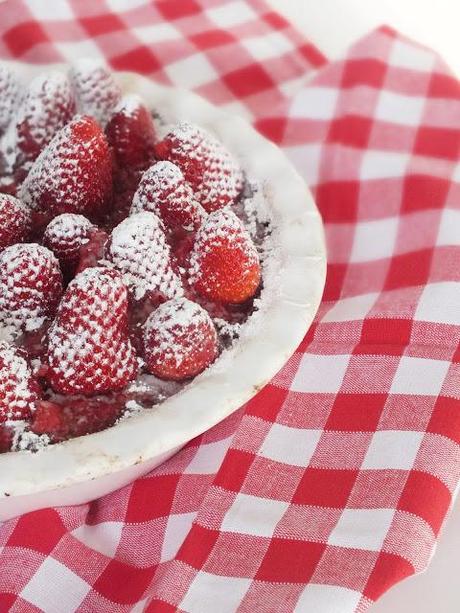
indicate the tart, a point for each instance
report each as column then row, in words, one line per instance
column 132, row 255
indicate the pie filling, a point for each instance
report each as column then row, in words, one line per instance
column 132, row 255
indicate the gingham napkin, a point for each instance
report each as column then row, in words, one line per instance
column 332, row 484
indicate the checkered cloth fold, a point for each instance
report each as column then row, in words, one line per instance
column 332, row 484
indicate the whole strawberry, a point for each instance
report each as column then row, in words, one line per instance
column 95, row 88
column 164, row 191
column 224, row 264
column 30, row 287
column 131, row 135
column 9, row 92
column 89, row 350
column 211, row 170
column 64, row 236
column 73, row 174
column 47, row 106
column 138, row 249
column 15, row 221
column 19, row 391
column 179, row 340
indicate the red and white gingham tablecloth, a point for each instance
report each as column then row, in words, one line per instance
column 332, row 484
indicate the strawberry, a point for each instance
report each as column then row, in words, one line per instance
column 138, row 249
column 6, row 438
column 88, row 346
column 179, row 340
column 9, row 93
column 47, row 106
column 224, row 264
column 64, row 236
column 73, row 174
column 15, row 222
column 211, row 170
column 30, row 287
column 75, row 417
column 95, row 89
column 19, row 391
column 164, row 191
column 131, row 134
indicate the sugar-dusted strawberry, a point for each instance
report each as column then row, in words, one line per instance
column 224, row 264
column 30, row 287
column 131, row 134
column 9, row 93
column 64, row 236
column 73, row 174
column 89, row 350
column 164, row 191
column 19, row 391
column 15, row 221
column 47, row 106
column 179, row 340
column 74, row 417
column 138, row 249
column 206, row 164
column 95, row 88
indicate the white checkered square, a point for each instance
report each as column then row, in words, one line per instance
column 362, row 528
column 400, row 109
column 440, row 302
column 253, row 515
column 44, row 590
column 419, row 376
column 192, row 72
column 208, row 458
column 320, row 373
column 351, row 309
column 405, row 55
column 306, row 158
column 393, row 449
column 214, row 593
column 231, row 14
column 449, row 228
column 383, row 165
column 177, row 528
column 290, row 445
column 157, row 33
column 374, row 240
column 103, row 537
column 314, row 103
column 268, row 46
column 327, row 599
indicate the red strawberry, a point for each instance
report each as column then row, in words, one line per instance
column 9, row 91
column 138, row 249
column 30, row 287
column 75, row 417
column 73, row 174
column 47, row 107
column 64, row 236
column 211, row 170
column 131, row 134
column 6, row 438
column 95, row 89
column 179, row 340
column 19, row 391
column 15, row 222
column 88, row 346
column 224, row 264
column 164, row 191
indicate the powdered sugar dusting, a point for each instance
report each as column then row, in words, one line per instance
column 18, row 396
column 9, row 93
column 30, row 286
column 96, row 90
column 164, row 191
column 65, row 234
column 128, row 105
column 138, row 249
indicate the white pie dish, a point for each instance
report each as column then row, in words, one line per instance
column 86, row 468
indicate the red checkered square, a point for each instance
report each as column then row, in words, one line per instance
column 339, row 473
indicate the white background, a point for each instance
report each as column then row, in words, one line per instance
column 333, row 25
